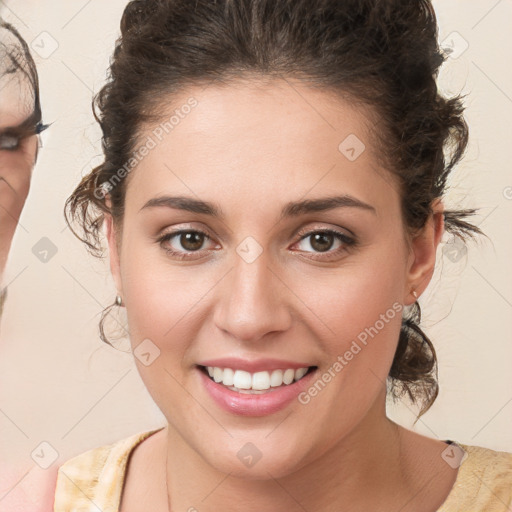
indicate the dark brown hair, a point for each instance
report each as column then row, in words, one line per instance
column 382, row 54
column 17, row 65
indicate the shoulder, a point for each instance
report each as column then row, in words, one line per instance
column 95, row 478
column 484, row 480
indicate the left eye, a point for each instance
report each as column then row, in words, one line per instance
column 322, row 241
column 9, row 142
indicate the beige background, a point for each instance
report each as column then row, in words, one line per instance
column 59, row 384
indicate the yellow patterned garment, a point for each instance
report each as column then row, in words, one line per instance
column 93, row 481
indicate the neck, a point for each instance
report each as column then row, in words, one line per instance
column 370, row 457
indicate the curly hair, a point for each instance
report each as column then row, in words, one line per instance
column 381, row 54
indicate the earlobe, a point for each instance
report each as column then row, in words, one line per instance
column 423, row 257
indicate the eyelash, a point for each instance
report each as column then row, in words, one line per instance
column 18, row 136
column 346, row 240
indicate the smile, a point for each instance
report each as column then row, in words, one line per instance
column 259, row 392
column 255, row 383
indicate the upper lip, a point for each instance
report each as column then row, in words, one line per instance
column 252, row 366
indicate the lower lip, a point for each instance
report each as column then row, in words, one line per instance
column 245, row 404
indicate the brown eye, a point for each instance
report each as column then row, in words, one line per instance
column 184, row 244
column 322, row 241
column 192, row 240
column 328, row 241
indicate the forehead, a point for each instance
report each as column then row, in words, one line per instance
column 280, row 110
column 258, row 140
column 16, row 91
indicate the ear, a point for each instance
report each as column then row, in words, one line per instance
column 423, row 255
column 115, row 267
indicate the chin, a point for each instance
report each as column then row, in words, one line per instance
column 260, row 459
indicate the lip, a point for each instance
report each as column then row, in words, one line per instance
column 244, row 404
column 256, row 365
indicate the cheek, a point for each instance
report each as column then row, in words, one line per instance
column 163, row 305
column 161, row 324
column 362, row 306
column 357, row 297
column 160, row 305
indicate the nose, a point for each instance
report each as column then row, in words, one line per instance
column 253, row 301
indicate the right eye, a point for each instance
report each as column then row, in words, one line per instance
column 9, row 142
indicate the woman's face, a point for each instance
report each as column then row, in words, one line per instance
column 17, row 155
column 265, row 288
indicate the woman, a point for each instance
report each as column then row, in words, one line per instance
column 272, row 195
column 20, row 122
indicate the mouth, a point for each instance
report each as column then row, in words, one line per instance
column 255, row 383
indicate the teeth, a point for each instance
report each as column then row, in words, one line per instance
column 217, row 374
column 228, row 377
column 288, row 376
column 300, row 373
column 261, row 381
column 276, row 379
column 240, row 380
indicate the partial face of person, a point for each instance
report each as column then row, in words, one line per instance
column 230, row 259
column 17, row 153
column 17, row 95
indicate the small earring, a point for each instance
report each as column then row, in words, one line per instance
column 414, row 294
column 119, row 300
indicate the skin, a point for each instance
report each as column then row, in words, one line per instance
column 16, row 168
column 36, row 491
column 251, row 149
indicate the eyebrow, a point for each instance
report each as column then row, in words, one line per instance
column 291, row 209
column 30, row 126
